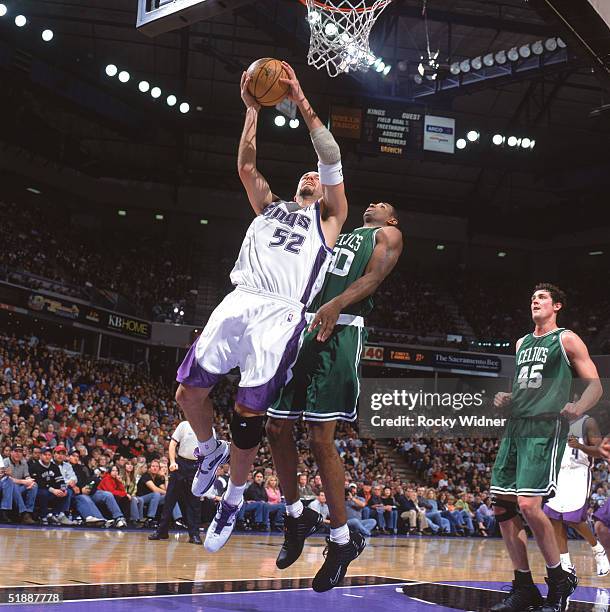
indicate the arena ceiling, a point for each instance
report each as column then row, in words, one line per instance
column 82, row 118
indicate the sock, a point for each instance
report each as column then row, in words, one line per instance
column 598, row 548
column 340, row 535
column 523, row 577
column 234, row 493
column 556, row 571
column 295, row 510
column 205, row 448
column 565, row 561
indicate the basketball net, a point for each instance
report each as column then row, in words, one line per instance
column 340, row 33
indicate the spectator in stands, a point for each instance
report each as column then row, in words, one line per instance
column 354, row 506
column 433, row 514
column 377, row 508
column 111, row 483
column 150, row 490
column 275, row 504
column 306, row 494
column 461, row 505
column 319, row 505
column 26, row 489
column 255, row 502
column 391, row 511
column 128, row 478
column 412, row 514
column 485, row 518
column 53, row 494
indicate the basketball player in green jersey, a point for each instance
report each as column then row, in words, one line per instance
column 324, row 388
column 528, row 461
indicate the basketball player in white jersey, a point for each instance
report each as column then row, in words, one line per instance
column 257, row 327
column 569, row 505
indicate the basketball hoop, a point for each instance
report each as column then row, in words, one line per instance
column 340, row 33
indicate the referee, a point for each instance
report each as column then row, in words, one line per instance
column 182, row 468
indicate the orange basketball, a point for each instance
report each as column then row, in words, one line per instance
column 265, row 83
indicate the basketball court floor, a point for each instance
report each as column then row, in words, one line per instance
column 121, row 570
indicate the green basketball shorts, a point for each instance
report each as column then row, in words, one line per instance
column 324, row 384
column 529, row 457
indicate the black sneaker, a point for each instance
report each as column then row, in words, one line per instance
column 521, row 598
column 338, row 557
column 559, row 592
column 295, row 532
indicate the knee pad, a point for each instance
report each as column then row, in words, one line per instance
column 510, row 509
column 246, row 432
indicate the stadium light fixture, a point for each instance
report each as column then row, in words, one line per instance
column 538, row 47
column 387, row 69
column 380, row 67
column 561, row 43
column 143, row 86
column 3, row 10
column 500, row 57
column 498, row 139
column 525, row 51
column 596, row 253
column 526, row 143
column 440, row 247
column 454, row 69
column 47, row 35
column 501, row 254
column 465, row 65
column 155, row 92
column 294, row 123
column 203, row 221
column 477, row 63
column 20, row 21
column 33, row 190
column 512, row 141
column 280, row 120
column 181, row 313
column 124, row 76
column 330, row 29
column 171, row 100
column 122, row 213
column 488, row 60
column 111, row 70
column 176, row 309
column 185, row 107
column 550, row 44
column 513, row 54
column 473, row 136
column 461, row 143
column 159, row 217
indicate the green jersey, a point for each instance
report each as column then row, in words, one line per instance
column 350, row 257
column 543, row 376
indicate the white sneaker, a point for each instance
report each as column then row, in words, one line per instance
column 206, row 474
column 603, row 566
column 120, row 523
column 221, row 528
column 94, row 520
column 64, row 520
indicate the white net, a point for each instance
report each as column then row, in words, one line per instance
column 340, row 33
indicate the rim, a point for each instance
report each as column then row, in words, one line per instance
column 325, row 6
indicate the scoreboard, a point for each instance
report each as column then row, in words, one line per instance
column 379, row 129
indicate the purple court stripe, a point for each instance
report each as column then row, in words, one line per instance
column 191, row 374
column 261, row 397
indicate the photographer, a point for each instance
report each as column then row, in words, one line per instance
column 354, row 505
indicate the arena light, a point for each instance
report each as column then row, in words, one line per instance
column 532, row 144
column 158, row 217
column 440, row 247
column 122, row 213
column 594, row 253
column 512, row 141
column 181, row 313
column 477, row 63
column 171, row 100
column 498, row 139
column 33, row 190
column 280, row 120
column 561, row 43
column 185, row 107
column 155, row 92
column 143, row 86
column 465, row 65
column 20, row 21
column 387, row 69
column 500, row 57
column 513, row 54
column 47, row 35
column 124, row 76
column 473, row 136
column 176, row 309
column 454, row 69
column 111, row 70
column 203, row 221
column 294, row 123
column 537, row 48
column 461, row 143
column 3, row 10
column 550, row 44
column 501, row 254
column 525, row 51
column 488, row 60
column 380, row 67
column 526, row 143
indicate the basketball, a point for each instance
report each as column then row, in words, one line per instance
column 265, row 83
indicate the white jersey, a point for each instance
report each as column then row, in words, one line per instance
column 574, row 482
column 284, row 252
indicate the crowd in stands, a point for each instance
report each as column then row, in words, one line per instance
column 85, row 441
column 144, row 276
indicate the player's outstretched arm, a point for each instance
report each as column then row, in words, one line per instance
column 334, row 201
column 577, row 353
column 257, row 188
column 387, row 250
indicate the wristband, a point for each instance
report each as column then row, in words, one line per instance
column 330, row 174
